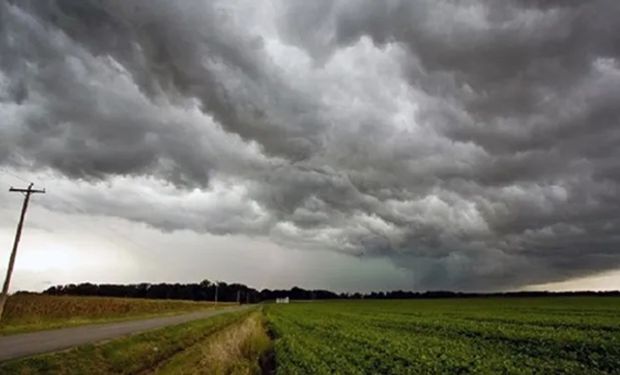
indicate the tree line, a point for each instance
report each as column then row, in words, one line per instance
column 209, row 290
column 203, row 291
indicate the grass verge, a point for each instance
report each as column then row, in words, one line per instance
column 25, row 313
column 136, row 354
column 242, row 348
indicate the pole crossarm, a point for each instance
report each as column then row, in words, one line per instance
column 12, row 189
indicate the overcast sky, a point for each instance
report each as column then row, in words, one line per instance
column 350, row 145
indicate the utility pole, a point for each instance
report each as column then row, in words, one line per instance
column 7, row 281
column 238, row 296
column 216, row 286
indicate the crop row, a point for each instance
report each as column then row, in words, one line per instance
column 402, row 337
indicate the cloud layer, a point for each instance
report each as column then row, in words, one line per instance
column 473, row 143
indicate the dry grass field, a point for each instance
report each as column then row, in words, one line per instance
column 30, row 312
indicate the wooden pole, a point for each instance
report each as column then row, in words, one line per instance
column 7, row 281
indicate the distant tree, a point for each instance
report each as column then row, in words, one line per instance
column 205, row 290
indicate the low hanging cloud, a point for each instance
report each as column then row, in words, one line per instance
column 474, row 143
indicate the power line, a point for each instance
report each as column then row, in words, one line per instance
column 86, row 224
column 16, row 176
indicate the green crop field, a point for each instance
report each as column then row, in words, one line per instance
column 572, row 335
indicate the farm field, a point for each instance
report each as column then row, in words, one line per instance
column 557, row 335
column 572, row 335
column 31, row 312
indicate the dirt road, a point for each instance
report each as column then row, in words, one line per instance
column 26, row 344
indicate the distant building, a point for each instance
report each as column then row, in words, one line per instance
column 282, row 300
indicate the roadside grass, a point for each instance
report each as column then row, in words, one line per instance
column 137, row 354
column 25, row 313
column 238, row 349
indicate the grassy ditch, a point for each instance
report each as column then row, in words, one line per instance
column 26, row 313
column 242, row 348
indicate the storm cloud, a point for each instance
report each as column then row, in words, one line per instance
column 473, row 143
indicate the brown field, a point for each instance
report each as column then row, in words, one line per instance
column 33, row 312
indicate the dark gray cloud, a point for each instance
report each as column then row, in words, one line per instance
column 473, row 143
